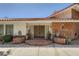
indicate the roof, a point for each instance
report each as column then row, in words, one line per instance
column 22, row 19
column 62, row 10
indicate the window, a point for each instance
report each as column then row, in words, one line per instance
column 9, row 29
column 1, row 29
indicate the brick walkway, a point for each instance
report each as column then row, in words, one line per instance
column 75, row 42
column 43, row 43
column 38, row 42
column 49, row 50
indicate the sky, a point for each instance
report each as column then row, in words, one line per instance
column 29, row 10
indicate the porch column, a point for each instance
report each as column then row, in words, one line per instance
column 4, row 29
column 50, row 29
column 46, row 30
column 32, row 31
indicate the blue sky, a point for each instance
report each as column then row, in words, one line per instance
column 29, row 10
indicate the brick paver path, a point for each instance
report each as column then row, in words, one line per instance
column 39, row 42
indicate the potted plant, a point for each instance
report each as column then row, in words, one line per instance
column 28, row 35
column 49, row 36
column 68, row 39
column 7, row 38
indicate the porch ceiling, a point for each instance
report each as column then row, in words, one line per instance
column 39, row 22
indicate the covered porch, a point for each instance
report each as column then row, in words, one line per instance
column 40, row 29
column 20, row 29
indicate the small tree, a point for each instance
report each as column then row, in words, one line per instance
column 68, row 39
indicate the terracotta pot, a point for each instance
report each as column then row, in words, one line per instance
column 59, row 40
column 18, row 40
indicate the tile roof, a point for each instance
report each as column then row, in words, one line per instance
column 22, row 19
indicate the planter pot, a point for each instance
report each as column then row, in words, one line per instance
column 59, row 40
column 7, row 38
column 18, row 40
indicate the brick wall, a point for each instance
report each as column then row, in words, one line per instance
column 70, row 27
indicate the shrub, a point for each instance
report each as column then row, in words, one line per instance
column 7, row 38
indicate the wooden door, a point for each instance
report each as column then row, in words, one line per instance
column 39, row 31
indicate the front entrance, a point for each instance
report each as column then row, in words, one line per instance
column 39, row 31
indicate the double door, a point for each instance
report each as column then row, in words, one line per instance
column 39, row 31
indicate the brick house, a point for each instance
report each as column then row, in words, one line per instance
column 64, row 21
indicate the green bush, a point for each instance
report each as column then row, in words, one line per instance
column 7, row 38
